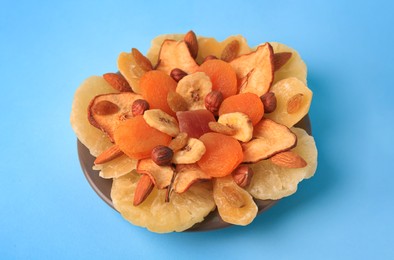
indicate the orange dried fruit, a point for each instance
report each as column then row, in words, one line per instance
column 155, row 86
column 129, row 134
column 222, row 76
column 247, row 103
column 223, row 154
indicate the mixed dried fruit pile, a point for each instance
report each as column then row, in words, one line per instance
column 209, row 126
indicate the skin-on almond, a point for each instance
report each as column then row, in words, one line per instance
column 117, row 81
column 242, row 175
column 288, row 159
column 269, row 102
column 294, row 103
column 192, row 43
column 231, row 50
column 108, row 155
column 222, row 129
column 280, row 59
column 143, row 189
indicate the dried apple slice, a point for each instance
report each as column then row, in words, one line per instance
column 235, row 205
column 175, row 54
column 270, row 138
column 160, row 175
column 258, row 69
column 107, row 111
column 293, row 99
column 274, row 182
column 187, row 175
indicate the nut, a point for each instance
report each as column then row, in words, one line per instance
column 213, row 101
column 142, row 61
column 162, row 155
column 117, row 81
column 294, row 103
column 176, row 102
column 242, row 175
column 143, row 189
column 177, row 74
column 233, row 197
column 210, row 57
column 139, row 107
column 288, row 159
column 105, row 107
column 222, row 129
column 280, row 59
column 192, row 43
column 108, row 155
column 269, row 102
column 231, row 50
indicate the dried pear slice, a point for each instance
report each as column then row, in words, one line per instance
column 235, row 205
column 187, row 175
column 161, row 176
column 182, row 212
column 272, row 182
column 270, row 138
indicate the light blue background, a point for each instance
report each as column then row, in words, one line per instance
column 49, row 211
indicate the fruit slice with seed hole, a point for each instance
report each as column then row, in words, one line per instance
column 274, row 182
column 235, row 205
column 182, row 212
column 107, row 111
column 270, row 138
column 117, row 167
column 293, row 99
column 129, row 134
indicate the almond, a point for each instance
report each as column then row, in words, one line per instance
column 231, row 50
column 117, row 81
column 288, row 159
column 142, row 61
column 294, row 103
column 192, row 43
column 143, row 189
column 280, row 59
column 269, row 102
column 242, row 175
column 222, row 129
column 108, row 155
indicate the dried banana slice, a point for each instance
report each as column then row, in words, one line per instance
column 194, row 88
column 191, row 153
column 241, row 123
column 162, row 121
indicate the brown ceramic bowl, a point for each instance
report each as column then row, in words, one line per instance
column 213, row 221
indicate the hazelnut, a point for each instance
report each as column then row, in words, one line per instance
column 269, row 102
column 213, row 101
column 242, row 175
column 162, row 155
column 177, row 74
column 139, row 107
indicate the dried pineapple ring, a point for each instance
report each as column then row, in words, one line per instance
column 182, row 212
column 94, row 139
column 295, row 67
column 116, row 167
column 274, row 182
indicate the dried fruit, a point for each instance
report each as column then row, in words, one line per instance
column 116, row 168
column 108, row 155
column 242, row 175
column 235, row 205
column 269, row 102
column 288, row 159
column 139, row 106
column 186, row 175
column 280, row 59
column 142, row 61
column 179, row 141
column 117, row 81
column 190, row 153
column 143, row 189
column 260, row 65
column 162, row 155
column 195, row 123
column 213, row 101
column 294, row 103
column 209, row 57
column 177, row 74
column 176, row 102
column 240, row 122
column 192, row 43
column 162, row 121
column 222, row 129
column 270, row 138
column 194, row 88
column 104, row 108
column 231, row 50
column 161, row 176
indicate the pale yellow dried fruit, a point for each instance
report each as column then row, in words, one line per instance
column 117, row 167
column 182, row 212
column 94, row 139
column 274, row 182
